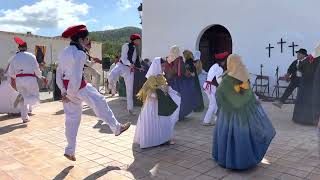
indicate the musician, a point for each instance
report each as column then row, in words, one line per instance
column 75, row 89
column 125, row 68
column 294, row 74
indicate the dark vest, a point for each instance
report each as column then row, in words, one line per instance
column 130, row 52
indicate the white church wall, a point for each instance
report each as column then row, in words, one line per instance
column 252, row 25
column 54, row 46
column 9, row 47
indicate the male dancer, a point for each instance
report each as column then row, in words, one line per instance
column 75, row 89
column 125, row 68
column 24, row 69
column 210, row 87
column 294, row 75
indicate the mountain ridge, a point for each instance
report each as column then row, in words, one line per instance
column 113, row 39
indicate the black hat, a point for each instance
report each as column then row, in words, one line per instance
column 302, row 51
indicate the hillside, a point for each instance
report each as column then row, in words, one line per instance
column 113, row 39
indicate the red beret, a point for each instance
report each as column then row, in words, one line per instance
column 73, row 30
column 19, row 41
column 135, row 36
column 221, row 56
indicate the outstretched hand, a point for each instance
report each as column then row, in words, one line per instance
column 97, row 60
column 65, row 99
column 45, row 81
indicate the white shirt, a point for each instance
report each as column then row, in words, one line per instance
column 70, row 67
column 90, row 64
column 23, row 63
column 111, row 67
column 299, row 73
column 214, row 72
column 124, row 55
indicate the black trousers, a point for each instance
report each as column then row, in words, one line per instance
column 294, row 83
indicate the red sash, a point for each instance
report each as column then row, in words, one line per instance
column 211, row 83
column 208, row 86
column 82, row 85
column 25, row 75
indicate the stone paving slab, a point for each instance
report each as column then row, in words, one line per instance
column 35, row 150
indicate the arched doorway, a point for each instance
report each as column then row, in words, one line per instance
column 215, row 39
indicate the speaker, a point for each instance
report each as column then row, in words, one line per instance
column 56, row 91
column 106, row 63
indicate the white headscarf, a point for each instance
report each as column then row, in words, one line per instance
column 317, row 52
column 174, row 53
column 197, row 55
column 155, row 68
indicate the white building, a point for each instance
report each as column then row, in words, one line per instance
column 51, row 47
column 245, row 27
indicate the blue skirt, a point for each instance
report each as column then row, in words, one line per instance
column 187, row 89
column 241, row 140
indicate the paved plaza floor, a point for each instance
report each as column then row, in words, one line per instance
column 35, row 150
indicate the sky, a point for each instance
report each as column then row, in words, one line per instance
column 51, row 17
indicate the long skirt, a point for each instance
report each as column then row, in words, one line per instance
column 241, row 139
column 303, row 111
column 8, row 95
column 198, row 96
column 186, row 88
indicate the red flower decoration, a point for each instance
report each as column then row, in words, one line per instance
column 310, row 58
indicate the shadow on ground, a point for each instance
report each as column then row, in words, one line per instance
column 64, row 173
column 9, row 117
column 12, row 127
column 101, row 172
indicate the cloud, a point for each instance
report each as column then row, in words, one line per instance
column 18, row 28
column 43, row 14
column 127, row 4
column 109, row 27
column 91, row 21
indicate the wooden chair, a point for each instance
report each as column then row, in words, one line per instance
column 261, row 85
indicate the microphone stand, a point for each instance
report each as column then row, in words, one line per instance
column 277, row 86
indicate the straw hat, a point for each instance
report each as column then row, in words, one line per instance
column 187, row 54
